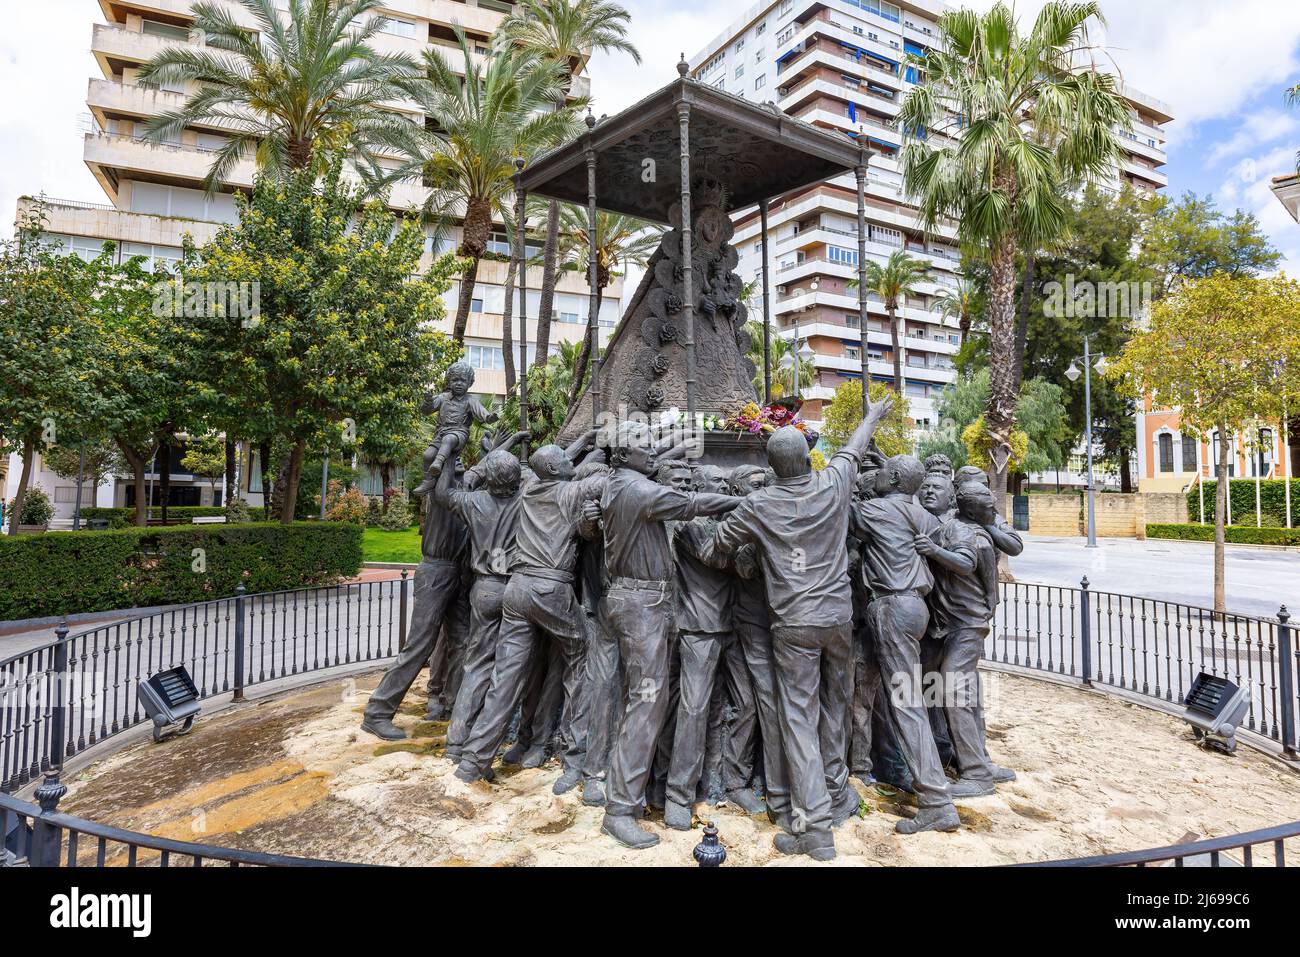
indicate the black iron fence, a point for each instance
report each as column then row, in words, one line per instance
column 89, row 679
column 65, row 697
column 1152, row 647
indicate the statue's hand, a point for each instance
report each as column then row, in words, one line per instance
column 876, row 411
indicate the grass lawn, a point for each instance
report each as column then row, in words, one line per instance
column 379, row 545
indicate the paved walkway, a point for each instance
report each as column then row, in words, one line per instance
column 1258, row 580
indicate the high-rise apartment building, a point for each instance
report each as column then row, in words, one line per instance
column 154, row 194
column 839, row 64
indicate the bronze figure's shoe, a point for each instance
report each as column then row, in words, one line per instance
column 1002, row 775
column 468, row 774
column 383, row 728
column 746, row 800
column 819, row 848
column 567, row 781
column 930, row 819
column 846, row 807
column 625, row 830
column 535, row 757
column 592, row 795
column 678, row 816
column 515, row 754
column 969, row 788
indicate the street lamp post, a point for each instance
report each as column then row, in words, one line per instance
column 1072, row 374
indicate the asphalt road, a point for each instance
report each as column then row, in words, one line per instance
column 1258, row 580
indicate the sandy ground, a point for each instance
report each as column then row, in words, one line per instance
column 296, row 775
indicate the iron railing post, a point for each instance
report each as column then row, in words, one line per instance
column 1286, row 684
column 47, row 838
column 239, row 643
column 1085, row 633
column 401, row 613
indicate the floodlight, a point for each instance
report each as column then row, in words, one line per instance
column 1215, row 709
column 170, row 698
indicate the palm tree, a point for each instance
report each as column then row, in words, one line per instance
column 891, row 282
column 1028, row 123
column 566, row 32
column 284, row 89
column 782, row 370
column 1293, row 98
column 958, row 304
column 476, row 125
column 621, row 241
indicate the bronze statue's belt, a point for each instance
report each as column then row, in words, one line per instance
column 640, row 584
column 550, row 574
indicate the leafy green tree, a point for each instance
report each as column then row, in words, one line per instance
column 205, row 456
column 46, row 341
column 341, row 345
column 549, row 385
column 102, row 461
column 566, row 33
column 893, row 281
column 286, row 91
column 1193, row 239
column 1220, row 349
column 893, row 436
column 479, row 120
column 1027, row 124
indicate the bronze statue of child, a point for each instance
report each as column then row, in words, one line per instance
column 457, row 411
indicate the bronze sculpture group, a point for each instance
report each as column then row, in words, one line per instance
column 753, row 635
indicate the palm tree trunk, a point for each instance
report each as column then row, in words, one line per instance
column 1022, row 321
column 897, row 343
column 584, row 357
column 465, row 301
column 1221, row 492
column 507, row 333
column 24, row 482
column 550, row 275
column 1000, row 416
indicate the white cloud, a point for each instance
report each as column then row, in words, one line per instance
column 45, row 64
column 1249, row 185
column 1257, row 129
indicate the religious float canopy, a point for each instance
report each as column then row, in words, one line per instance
column 686, row 156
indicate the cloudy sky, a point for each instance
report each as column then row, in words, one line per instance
column 1222, row 66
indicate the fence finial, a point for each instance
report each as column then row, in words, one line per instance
column 1084, row 582
column 1283, row 615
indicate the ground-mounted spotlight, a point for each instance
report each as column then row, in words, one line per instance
column 1215, row 709
column 170, row 699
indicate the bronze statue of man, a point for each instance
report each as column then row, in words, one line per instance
column 799, row 525
column 638, row 609
column 539, row 600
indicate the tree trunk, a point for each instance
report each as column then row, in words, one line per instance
column 465, row 301
column 292, row 477
column 1000, row 416
column 164, row 464
column 550, row 275
column 1220, row 517
column 507, row 333
column 897, row 342
column 268, row 479
column 1022, row 321
column 231, row 491
column 24, row 482
column 1125, row 477
column 137, row 461
column 584, row 356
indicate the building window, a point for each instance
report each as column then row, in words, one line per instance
column 476, row 305
column 785, row 35
column 786, row 6
column 759, row 81
column 399, row 27
column 1165, row 442
column 740, row 44
column 740, row 71
column 1190, row 454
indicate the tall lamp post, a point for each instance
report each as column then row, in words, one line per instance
column 1073, row 374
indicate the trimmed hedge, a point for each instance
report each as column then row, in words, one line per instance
column 65, row 573
column 1272, row 500
column 1235, row 534
column 124, row 517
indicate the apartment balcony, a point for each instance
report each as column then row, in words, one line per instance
column 879, row 212
column 102, row 221
column 834, row 57
column 1144, row 170
column 820, row 86
column 113, row 44
column 106, row 97
column 1144, row 151
column 113, row 157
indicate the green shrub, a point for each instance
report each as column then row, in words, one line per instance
column 1272, row 499
column 397, row 516
column 71, row 572
column 1235, row 534
column 37, row 507
column 237, row 511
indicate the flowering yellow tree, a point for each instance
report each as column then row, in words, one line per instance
column 1225, row 352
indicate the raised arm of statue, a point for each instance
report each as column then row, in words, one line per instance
column 584, row 442
column 862, row 435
